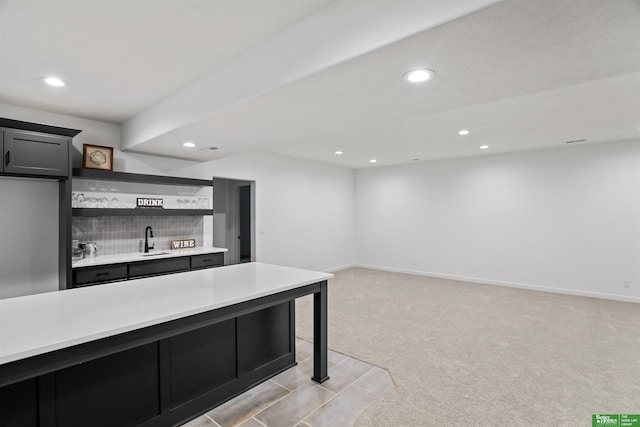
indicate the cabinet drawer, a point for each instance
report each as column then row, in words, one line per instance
column 159, row 266
column 107, row 273
column 207, row 260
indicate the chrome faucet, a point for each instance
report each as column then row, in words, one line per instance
column 146, row 239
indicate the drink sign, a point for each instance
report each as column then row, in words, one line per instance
column 183, row 244
column 148, row 202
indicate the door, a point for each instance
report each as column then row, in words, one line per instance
column 32, row 153
column 244, row 196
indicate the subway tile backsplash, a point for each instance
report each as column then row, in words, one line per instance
column 124, row 234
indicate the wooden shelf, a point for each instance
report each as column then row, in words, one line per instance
column 140, row 212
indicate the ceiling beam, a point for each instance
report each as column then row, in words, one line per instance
column 343, row 30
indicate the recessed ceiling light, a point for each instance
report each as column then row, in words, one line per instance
column 189, row 144
column 419, row 76
column 464, row 132
column 53, row 81
column 484, row 147
column 372, row 161
column 338, row 152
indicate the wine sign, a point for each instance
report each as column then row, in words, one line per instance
column 147, row 202
column 183, row 244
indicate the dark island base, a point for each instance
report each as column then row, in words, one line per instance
column 162, row 375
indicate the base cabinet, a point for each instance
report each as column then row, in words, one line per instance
column 158, row 266
column 202, row 360
column 258, row 340
column 161, row 383
column 19, row 404
column 207, row 261
column 102, row 274
column 87, row 276
column 117, row 390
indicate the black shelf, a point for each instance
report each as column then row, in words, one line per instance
column 135, row 177
column 140, row 212
column 38, row 127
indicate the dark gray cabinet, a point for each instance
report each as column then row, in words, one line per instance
column 87, row 276
column 101, row 274
column 158, row 266
column 35, row 154
column 207, row 261
column 157, row 376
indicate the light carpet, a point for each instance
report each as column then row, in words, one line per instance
column 471, row 354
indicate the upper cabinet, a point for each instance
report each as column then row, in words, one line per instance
column 35, row 150
column 35, row 154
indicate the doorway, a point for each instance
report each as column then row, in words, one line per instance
column 234, row 219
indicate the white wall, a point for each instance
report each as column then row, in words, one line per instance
column 566, row 220
column 304, row 209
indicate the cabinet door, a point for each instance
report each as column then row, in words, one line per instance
column 32, row 153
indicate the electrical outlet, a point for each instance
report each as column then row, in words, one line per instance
column 627, row 284
column 312, row 264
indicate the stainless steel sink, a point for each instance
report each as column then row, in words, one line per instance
column 156, row 253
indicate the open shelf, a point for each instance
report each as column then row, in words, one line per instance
column 123, row 189
column 134, row 177
column 140, row 212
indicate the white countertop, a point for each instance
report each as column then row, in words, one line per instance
column 139, row 256
column 36, row 324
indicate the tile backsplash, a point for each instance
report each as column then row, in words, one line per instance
column 124, row 234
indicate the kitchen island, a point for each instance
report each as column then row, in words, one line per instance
column 155, row 351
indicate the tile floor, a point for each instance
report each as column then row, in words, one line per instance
column 291, row 399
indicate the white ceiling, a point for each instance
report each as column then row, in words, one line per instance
column 308, row 77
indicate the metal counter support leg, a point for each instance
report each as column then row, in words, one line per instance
column 320, row 354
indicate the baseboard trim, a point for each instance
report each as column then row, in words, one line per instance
column 505, row 284
column 342, row 267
